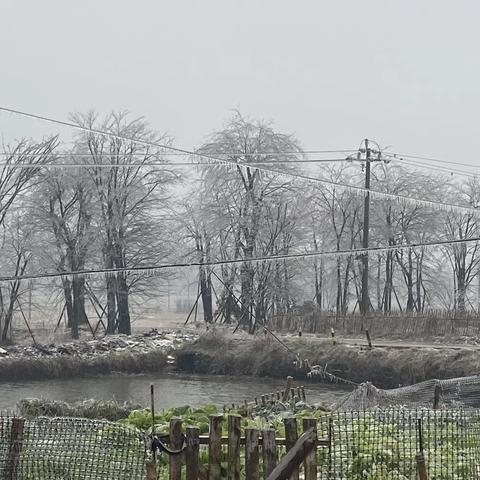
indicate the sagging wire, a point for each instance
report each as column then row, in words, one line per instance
column 315, row 370
column 234, row 163
column 156, row 444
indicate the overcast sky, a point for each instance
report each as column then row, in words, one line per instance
column 405, row 73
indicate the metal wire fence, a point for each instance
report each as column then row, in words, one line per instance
column 461, row 392
column 70, row 448
column 384, row 444
column 354, row 445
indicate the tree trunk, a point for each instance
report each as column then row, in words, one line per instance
column 387, row 297
column 111, row 295
column 67, row 292
column 206, row 293
column 247, row 275
column 460, row 293
column 339, row 288
column 379, row 294
column 77, row 295
column 124, row 325
column 7, row 325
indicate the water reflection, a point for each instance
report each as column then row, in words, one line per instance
column 171, row 389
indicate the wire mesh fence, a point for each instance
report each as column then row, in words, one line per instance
column 384, row 444
column 460, row 392
column 353, row 445
column 430, row 324
column 70, row 448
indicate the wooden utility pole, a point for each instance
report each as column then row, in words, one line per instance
column 371, row 155
column 365, row 302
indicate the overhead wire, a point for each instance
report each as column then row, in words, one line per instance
column 152, row 269
column 432, row 159
column 446, row 170
column 221, row 161
column 152, row 164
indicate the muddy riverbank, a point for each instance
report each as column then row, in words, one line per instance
column 221, row 353
column 148, row 352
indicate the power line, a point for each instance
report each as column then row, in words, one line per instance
column 153, row 164
column 148, row 143
column 152, row 269
column 220, row 161
column 399, row 156
column 451, row 171
column 229, row 154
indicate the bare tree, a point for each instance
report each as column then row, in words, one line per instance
column 129, row 196
column 244, row 193
column 19, row 173
column 17, row 256
column 65, row 208
column 464, row 258
column 340, row 211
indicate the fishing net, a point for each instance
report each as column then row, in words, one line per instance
column 451, row 393
column 70, row 448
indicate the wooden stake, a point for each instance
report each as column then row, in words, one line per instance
column 14, row 449
column 234, row 435
column 369, row 340
column 192, row 452
column 152, row 413
column 269, row 449
column 287, row 389
column 215, row 448
column 251, row 454
column 291, row 437
column 310, row 460
column 421, row 466
column 304, row 448
column 420, row 457
column 150, row 470
column 176, row 442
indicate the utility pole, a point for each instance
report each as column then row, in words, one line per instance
column 365, row 302
column 371, row 155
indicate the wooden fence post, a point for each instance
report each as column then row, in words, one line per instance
column 421, row 466
column 306, row 445
column 369, row 340
column 332, row 334
column 150, row 470
column 176, row 441
column 310, row 462
column 215, row 448
column 420, row 457
column 269, row 450
column 291, row 437
column 234, row 434
column 192, row 453
column 286, row 393
column 251, row 454
column 14, row 448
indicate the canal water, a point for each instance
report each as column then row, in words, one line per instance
column 171, row 389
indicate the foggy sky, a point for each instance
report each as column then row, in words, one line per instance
column 405, row 73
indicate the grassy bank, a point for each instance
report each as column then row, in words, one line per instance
column 47, row 367
column 93, row 409
column 220, row 353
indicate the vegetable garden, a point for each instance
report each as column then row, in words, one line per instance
column 371, row 445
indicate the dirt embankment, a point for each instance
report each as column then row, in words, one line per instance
column 220, row 353
column 136, row 354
